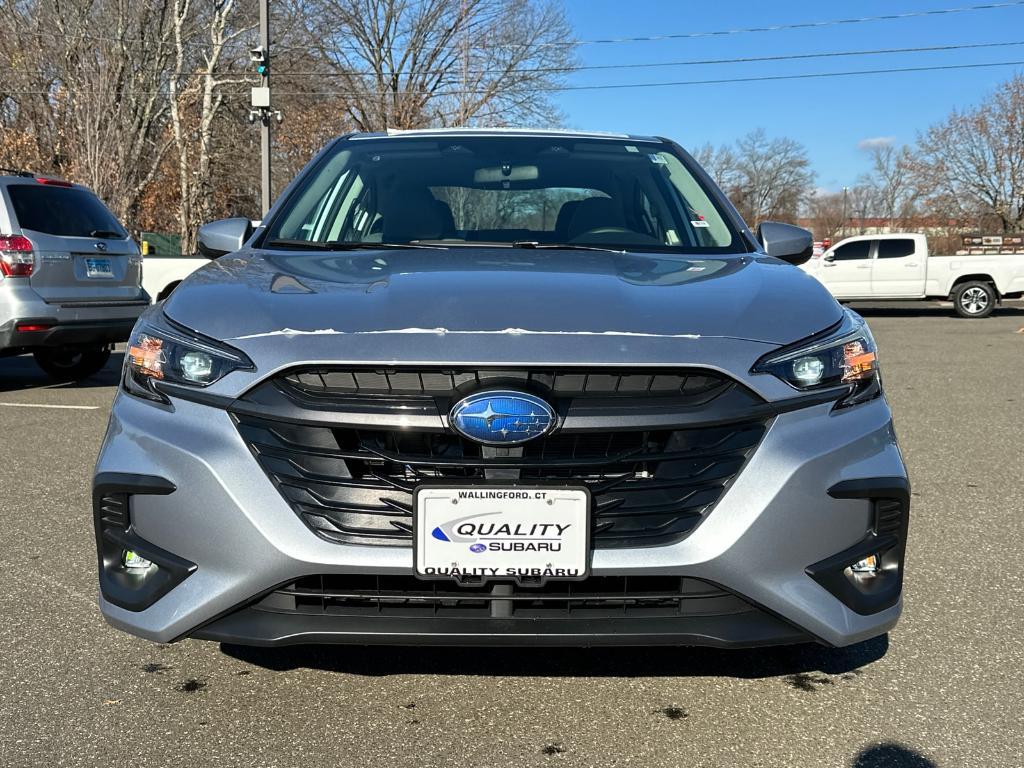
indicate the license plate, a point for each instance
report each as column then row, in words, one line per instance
column 481, row 532
column 98, row 268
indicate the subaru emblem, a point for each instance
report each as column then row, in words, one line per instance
column 502, row 418
column 101, row 247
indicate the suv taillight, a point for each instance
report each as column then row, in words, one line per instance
column 16, row 259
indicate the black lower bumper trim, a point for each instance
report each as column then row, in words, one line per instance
column 251, row 626
column 132, row 591
column 887, row 540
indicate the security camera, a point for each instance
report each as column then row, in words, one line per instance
column 257, row 55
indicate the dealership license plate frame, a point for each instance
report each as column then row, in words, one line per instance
column 99, row 268
column 586, row 511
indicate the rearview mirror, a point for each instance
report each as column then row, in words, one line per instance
column 224, row 236
column 505, row 173
column 786, row 242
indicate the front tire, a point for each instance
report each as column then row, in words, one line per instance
column 974, row 299
column 67, row 364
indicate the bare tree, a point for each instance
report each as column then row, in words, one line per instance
column 86, row 83
column 971, row 165
column 196, row 98
column 862, row 203
column 719, row 163
column 146, row 101
column 891, row 182
column 414, row 63
column 828, row 214
column 772, row 177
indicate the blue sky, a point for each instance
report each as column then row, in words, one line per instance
column 830, row 116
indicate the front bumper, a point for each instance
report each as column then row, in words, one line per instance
column 769, row 540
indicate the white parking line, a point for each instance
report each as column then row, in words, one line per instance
column 41, row 405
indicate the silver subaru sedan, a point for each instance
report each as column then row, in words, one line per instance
column 501, row 387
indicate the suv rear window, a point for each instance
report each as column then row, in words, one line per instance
column 65, row 211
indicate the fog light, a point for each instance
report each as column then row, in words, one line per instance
column 808, row 370
column 135, row 562
column 869, row 565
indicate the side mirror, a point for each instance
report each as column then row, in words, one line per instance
column 786, row 242
column 830, row 258
column 224, row 236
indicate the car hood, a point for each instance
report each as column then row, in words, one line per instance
column 258, row 295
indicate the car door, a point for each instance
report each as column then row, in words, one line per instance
column 898, row 269
column 846, row 271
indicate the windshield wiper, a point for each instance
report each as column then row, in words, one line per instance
column 106, row 234
column 340, row 245
column 563, row 246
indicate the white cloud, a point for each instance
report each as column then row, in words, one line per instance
column 876, row 141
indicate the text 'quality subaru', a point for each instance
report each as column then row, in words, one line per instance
column 501, row 387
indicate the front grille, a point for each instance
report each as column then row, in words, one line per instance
column 597, row 597
column 330, row 382
column 354, row 484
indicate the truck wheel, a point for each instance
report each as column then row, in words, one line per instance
column 66, row 364
column 167, row 290
column 974, row 299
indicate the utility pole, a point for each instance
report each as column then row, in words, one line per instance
column 846, row 191
column 261, row 106
column 265, row 122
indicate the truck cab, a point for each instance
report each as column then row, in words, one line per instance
column 874, row 267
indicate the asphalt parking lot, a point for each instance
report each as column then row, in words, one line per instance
column 944, row 689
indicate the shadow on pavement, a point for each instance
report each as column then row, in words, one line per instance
column 891, row 756
column 798, row 661
column 21, row 373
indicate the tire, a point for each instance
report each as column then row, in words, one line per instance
column 167, row 290
column 66, row 364
column 974, row 299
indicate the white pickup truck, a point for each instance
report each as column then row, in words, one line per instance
column 161, row 274
column 898, row 267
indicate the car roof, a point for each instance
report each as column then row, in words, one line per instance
column 8, row 178
column 528, row 132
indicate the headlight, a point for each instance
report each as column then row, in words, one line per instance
column 163, row 351
column 846, row 355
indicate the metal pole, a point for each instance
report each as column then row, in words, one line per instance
column 266, row 113
column 845, row 192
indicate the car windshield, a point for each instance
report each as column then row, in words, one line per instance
column 525, row 191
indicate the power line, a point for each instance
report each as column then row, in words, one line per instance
column 639, row 65
column 605, row 86
column 805, row 76
column 666, row 84
column 674, row 83
column 803, row 25
column 655, row 65
column 638, row 39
